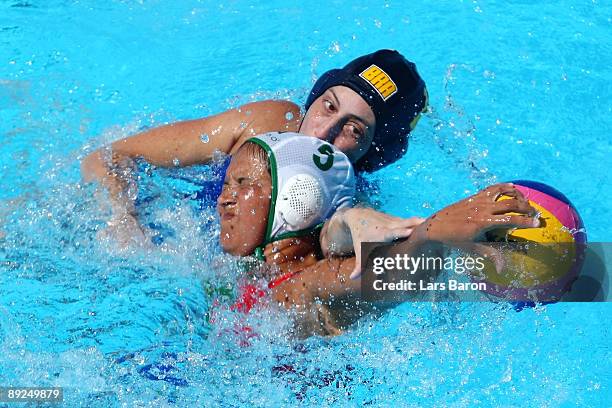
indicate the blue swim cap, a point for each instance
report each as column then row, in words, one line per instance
column 392, row 87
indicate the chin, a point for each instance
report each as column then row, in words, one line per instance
column 236, row 250
column 228, row 247
column 236, row 244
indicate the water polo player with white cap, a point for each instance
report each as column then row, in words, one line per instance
column 278, row 186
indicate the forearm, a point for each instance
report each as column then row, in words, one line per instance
column 408, row 259
column 419, row 244
column 115, row 173
column 348, row 228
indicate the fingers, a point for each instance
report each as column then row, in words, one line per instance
column 508, row 189
column 514, row 221
column 401, row 229
column 492, row 254
column 356, row 274
column 397, row 233
column 485, row 251
column 513, row 192
column 412, row 222
column 522, row 221
column 496, row 190
column 513, row 205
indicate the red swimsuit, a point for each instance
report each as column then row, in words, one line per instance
column 250, row 294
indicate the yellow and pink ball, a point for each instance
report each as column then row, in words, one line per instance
column 543, row 262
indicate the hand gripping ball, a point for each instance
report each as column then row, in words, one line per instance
column 539, row 264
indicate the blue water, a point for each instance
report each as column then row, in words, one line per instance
column 517, row 91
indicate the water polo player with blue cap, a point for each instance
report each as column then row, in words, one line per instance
column 365, row 109
column 394, row 91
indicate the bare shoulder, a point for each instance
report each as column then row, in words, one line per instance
column 267, row 116
column 272, row 108
column 327, row 278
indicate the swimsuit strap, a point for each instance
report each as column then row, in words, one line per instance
column 283, row 278
column 250, row 294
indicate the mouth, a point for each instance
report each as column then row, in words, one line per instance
column 226, row 216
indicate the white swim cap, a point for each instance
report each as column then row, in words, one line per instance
column 311, row 179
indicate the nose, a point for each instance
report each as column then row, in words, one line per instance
column 327, row 130
column 227, row 197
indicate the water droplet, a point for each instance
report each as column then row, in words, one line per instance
column 204, row 138
column 334, row 47
column 289, row 115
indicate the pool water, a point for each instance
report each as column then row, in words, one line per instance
column 517, row 90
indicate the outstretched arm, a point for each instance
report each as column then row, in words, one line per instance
column 182, row 144
column 465, row 221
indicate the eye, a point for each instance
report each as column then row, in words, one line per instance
column 354, row 130
column 329, row 105
column 244, row 181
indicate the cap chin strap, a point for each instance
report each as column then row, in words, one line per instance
column 298, row 204
column 259, row 251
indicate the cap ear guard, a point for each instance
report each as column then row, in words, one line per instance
column 300, row 202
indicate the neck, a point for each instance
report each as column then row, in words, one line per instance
column 292, row 254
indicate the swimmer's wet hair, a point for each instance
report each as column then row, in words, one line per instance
column 256, row 151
